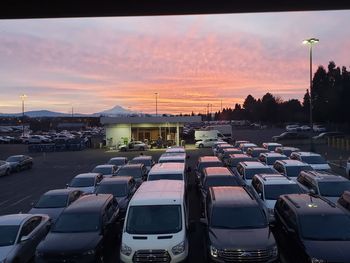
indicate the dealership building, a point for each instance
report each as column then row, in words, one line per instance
column 124, row 129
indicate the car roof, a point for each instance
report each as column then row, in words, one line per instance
column 87, row 175
column 231, row 196
column 311, row 204
column 131, row 165
column 65, row 191
column 172, row 156
column 273, row 154
column 164, row 168
column 231, row 149
column 288, row 148
column 290, row 162
column 144, row 157
column 239, row 155
column 119, row 158
column 175, row 150
column 253, row 164
column 159, row 192
column 324, row 176
column 19, row 155
column 88, row 203
column 116, row 180
column 257, row 148
column 275, row 179
column 105, row 166
column 217, row 171
column 306, row 154
column 248, row 144
column 272, row 144
column 208, row 159
column 14, row 219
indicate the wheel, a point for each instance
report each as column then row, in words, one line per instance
column 200, row 146
column 142, row 148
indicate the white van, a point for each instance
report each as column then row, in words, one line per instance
column 168, row 171
column 156, row 224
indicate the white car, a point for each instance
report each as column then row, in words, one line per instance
column 348, row 167
column 86, row 182
column 305, row 128
column 133, row 146
column 206, row 143
column 5, row 168
column 38, row 139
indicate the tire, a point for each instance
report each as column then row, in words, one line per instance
column 200, row 146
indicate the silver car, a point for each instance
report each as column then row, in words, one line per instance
column 86, row 182
column 133, row 146
column 5, row 168
column 20, row 234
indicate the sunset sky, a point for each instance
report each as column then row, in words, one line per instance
column 94, row 64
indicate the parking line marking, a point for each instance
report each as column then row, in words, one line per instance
column 21, row 200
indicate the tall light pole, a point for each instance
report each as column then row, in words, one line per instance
column 310, row 42
column 23, row 97
column 156, row 93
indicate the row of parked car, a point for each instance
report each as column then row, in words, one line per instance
column 77, row 224
column 15, row 163
column 245, row 188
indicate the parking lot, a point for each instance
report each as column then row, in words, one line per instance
column 55, row 170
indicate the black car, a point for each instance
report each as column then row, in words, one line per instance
column 137, row 171
column 121, row 187
column 290, row 136
column 313, row 228
column 237, row 227
column 82, row 232
column 20, row 162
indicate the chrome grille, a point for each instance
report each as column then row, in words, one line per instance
column 151, row 256
column 234, row 255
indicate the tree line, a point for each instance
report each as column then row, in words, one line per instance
column 330, row 98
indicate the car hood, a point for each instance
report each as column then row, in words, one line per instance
column 332, row 251
column 4, row 251
column 241, row 238
column 53, row 213
column 69, row 242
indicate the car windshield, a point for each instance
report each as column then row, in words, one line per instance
column 8, row 235
column 77, row 223
column 102, row 170
column 237, row 217
column 154, row 219
column 82, row 182
column 146, row 162
column 117, row 190
column 272, row 192
column 134, row 172
column 272, row 147
column 52, row 201
column 14, row 159
column 235, row 161
column 272, row 160
column 154, row 177
column 294, row 171
column 249, row 173
column 116, row 161
column 221, row 181
column 313, row 159
column 333, row 188
column 334, row 226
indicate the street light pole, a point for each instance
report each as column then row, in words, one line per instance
column 311, row 42
column 156, row 93
column 23, row 97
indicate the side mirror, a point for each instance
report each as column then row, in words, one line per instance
column 25, row 238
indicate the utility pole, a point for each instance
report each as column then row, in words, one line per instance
column 23, row 97
column 221, row 105
column 72, row 111
column 156, row 93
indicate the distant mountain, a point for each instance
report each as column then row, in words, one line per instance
column 115, row 111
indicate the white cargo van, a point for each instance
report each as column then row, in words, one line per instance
column 168, row 171
column 156, row 224
column 201, row 135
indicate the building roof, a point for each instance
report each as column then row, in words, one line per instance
column 152, row 119
column 165, row 168
column 232, row 196
column 15, row 219
column 215, row 171
column 159, row 192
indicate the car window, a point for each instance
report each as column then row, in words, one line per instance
column 240, row 169
column 30, row 225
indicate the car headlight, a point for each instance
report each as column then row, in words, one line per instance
column 274, row 251
column 126, row 250
column 315, row 260
column 213, row 252
column 89, row 252
column 179, row 248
